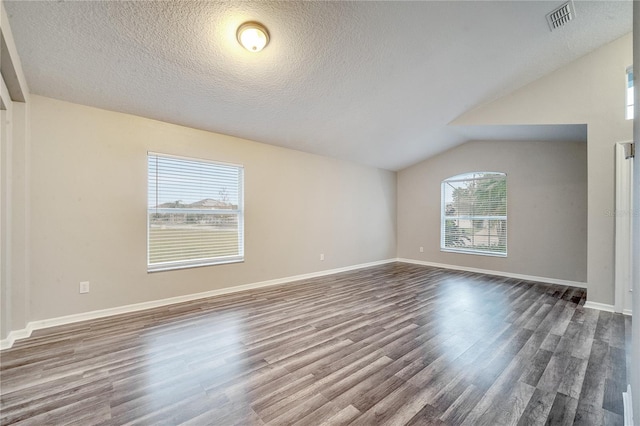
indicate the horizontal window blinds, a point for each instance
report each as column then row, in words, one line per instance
column 195, row 212
column 474, row 213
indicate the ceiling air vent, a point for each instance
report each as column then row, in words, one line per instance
column 561, row 15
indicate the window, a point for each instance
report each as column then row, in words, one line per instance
column 474, row 214
column 630, row 95
column 195, row 214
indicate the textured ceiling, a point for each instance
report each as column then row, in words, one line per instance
column 371, row 82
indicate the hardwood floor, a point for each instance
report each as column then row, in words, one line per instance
column 395, row 344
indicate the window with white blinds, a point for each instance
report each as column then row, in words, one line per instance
column 195, row 213
column 474, row 214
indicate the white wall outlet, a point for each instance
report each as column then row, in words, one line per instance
column 321, row 256
column 421, row 249
column 84, row 287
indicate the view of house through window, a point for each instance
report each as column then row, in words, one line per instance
column 195, row 214
column 474, row 214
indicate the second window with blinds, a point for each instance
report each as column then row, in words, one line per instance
column 195, row 213
column 474, row 214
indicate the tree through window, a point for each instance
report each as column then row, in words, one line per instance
column 474, row 213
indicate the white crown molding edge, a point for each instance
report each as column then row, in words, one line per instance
column 69, row 319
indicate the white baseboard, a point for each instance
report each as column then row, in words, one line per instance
column 588, row 304
column 605, row 307
column 599, row 306
column 628, row 407
column 69, row 319
column 497, row 273
column 15, row 335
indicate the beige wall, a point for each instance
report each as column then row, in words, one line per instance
column 546, row 199
column 590, row 90
column 88, row 204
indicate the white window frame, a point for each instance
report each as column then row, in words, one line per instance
column 443, row 218
column 629, row 94
column 210, row 261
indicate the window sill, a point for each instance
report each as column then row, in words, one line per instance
column 171, row 266
column 474, row 252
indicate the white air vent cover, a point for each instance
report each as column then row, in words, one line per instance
column 561, row 15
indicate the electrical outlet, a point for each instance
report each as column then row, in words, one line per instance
column 84, row 287
column 421, row 249
column 321, row 256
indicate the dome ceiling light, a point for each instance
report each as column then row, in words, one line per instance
column 253, row 36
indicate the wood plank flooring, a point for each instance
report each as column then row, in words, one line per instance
column 397, row 344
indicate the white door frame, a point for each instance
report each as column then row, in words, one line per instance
column 5, row 203
column 623, row 221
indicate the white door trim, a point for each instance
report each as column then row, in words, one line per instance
column 623, row 222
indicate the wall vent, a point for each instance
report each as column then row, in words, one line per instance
column 561, row 15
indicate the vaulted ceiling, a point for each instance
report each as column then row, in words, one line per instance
column 371, row 82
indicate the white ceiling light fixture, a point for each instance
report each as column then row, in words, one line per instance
column 253, row 36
